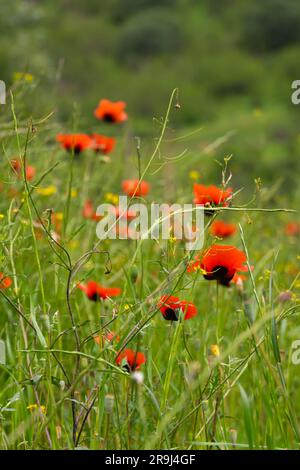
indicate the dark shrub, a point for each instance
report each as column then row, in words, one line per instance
column 121, row 10
column 271, row 24
column 148, row 34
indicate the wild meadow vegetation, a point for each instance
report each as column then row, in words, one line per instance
column 142, row 344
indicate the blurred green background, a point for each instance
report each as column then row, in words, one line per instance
column 232, row 60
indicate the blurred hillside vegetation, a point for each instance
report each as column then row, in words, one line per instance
column 232, row 60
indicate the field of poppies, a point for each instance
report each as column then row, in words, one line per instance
column 140, row 344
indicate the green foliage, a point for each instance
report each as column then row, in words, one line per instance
column 188, row 395
column 137, row 51
column 231, row 101
column 121, row 10
column 271, row 24
column 148, row 34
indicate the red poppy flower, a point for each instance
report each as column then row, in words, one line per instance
column 89, row 212
column 108, row 337
column 126, row 233
column 74, row 142
column 5, row 281
column 211, row 195
column 238, row 279
column 132, row 187
column 111, row 336
column 170, row 308
column 103, row 144
column 56, row 219
column 292, row 229
column 95, row 291
column 130, row 360
column 126, row 214
column 17, row 167
column 109, row 111
column 222, row 229
column 30, row 172
column 221, row 262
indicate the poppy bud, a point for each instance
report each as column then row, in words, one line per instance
column 233, row 436
column 285, row 296
column 109, row 403
column 133, row 274
column 138, row 377
column 204, row 405
column 240, row 285
column 192, row 372
column 58, row 431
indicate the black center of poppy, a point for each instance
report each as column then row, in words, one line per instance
column 220, row 274
column 129, row 367
column 225, row 281
column 77, row 149
column 108, row 117
column 94, row 297
column 170, row 314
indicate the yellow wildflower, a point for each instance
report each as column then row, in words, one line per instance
column 59, row 216
column 111, row 197
column 35, row 406
column 47, row 191
column 257, row 113
column 196, row 267
column 73, row 244
column 214, row 349
column 194, row 175
column 27, row 77
column 127, row 306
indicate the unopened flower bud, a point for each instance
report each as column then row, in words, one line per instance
column 204, row 405
column 138, row 377
column 109, row 403
column 233, row 436
column 192, row 372
column 285, row 296
column 240, row 284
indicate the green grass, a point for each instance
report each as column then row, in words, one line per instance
column 247, row 397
